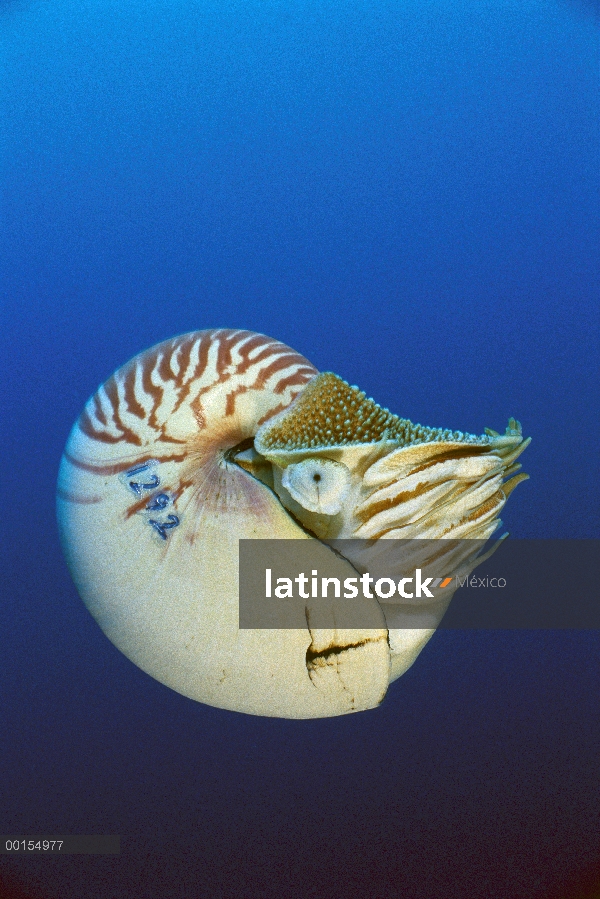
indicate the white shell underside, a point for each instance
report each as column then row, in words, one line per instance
column 162, row 582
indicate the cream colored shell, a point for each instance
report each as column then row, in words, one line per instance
column 219, row 435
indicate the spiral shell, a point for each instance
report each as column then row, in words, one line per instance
column 220, row 435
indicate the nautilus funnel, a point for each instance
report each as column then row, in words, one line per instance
column 222, row 435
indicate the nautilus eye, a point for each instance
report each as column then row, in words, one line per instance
column 319, row 485
column 218, row 436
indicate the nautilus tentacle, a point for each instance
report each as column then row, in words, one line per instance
column 221, row 435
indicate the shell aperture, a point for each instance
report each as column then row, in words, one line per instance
column 221, row 435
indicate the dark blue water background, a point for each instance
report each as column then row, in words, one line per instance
column 406, row 193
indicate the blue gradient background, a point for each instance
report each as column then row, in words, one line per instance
column 407, row 193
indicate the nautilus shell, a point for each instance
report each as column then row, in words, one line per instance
column 220, row 435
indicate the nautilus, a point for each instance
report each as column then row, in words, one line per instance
column 218, row 436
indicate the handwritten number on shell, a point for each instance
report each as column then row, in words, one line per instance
column 161, row 527
column 158, row 502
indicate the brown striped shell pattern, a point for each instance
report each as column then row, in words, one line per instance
column 220, row 435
